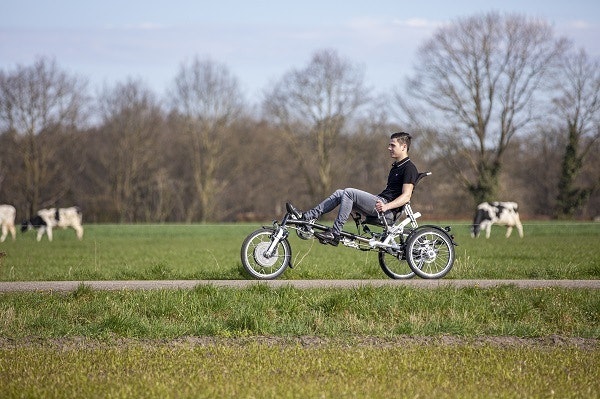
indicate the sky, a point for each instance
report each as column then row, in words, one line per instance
column 259, row 41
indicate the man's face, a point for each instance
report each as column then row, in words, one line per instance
column 397, row 150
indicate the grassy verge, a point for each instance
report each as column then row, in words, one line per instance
column 292, row 343
column 260, row 310
column 149, row 252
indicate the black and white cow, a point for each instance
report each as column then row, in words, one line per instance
column 7, row 221
column 502, row 213
column 47, row 219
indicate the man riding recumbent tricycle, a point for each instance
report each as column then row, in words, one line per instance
column 427, row 250
column 404, row 247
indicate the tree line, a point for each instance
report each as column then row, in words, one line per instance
column 499, row 108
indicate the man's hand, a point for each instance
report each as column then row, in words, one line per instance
column 380, row 206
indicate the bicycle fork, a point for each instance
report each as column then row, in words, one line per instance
column 280, row 234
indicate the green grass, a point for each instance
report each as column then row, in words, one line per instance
column 260, row 310
column 127, row 252
column 273, row 371
column 108, row 252
column 376, row 342
column 224, row 342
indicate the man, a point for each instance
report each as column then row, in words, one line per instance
column 401, row 182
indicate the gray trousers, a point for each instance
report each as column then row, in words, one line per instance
column 348, row 199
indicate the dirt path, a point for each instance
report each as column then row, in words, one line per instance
column 66, row 286
column 403, row 341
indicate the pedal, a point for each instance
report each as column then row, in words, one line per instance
column 349, row 243
column 322, row 241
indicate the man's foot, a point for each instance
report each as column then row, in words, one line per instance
column 294, row 211
column 304, row 231
column 327, row 237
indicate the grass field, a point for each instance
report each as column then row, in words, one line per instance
column 287, row 342
column 293, row 371
column 147, row 252
column 262, row 342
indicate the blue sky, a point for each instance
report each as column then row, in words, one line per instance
column 110, row 41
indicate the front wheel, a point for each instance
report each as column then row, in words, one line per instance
column 393, row 265
column 256, row 259
column 430, row 252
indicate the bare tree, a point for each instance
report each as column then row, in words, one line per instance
column 478, row 79
column 208, row 99
column 314, row 104
column 578, row 107
column 11, row 172
column 36, row 102
column 131, row 123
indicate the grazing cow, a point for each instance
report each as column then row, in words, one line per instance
column 7, row 221
column 46, row 219
column 502, row 213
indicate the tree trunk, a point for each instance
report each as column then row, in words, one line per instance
column 569, row 198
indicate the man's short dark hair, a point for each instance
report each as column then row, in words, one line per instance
column 402, row 138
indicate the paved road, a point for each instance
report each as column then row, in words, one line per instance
column 66, row 286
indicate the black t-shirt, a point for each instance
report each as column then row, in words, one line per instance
column 402, row 172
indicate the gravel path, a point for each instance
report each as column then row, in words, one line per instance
column 66, row 286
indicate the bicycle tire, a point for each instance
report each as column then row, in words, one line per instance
column 253, row 256
column 394, row 266
column 430, row 252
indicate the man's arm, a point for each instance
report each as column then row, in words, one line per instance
column 407, row 190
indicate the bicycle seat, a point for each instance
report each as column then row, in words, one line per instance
column 420, row 176
column 376, row 221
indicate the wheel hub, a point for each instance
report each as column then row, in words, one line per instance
column 261, row 257
column 429, row 255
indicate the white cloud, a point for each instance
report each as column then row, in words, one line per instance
column 371, row 29
column 142, row 26
column 148, row 26
column 420, row 23
column 580, row 24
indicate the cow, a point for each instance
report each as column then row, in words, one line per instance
column 7, row 221
column 502, row 213
column 47, row 219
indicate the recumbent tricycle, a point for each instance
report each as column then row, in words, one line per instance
column 404, row 247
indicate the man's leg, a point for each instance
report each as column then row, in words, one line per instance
column 353, row 198
column 348, row 199
column 327, row 205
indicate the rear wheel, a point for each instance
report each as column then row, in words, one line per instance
column 393, row 265
column 257, row 262
column 430, row 252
